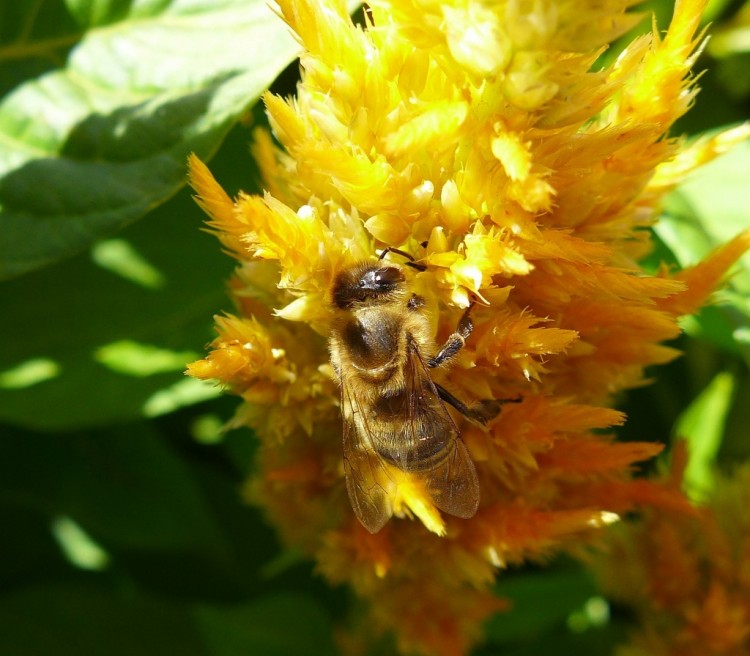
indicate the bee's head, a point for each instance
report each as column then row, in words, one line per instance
column 369, row 283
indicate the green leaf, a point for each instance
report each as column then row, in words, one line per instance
column 734, row 75
column 278, row 625
column 125, row 488
column 539, row 602
column 735, row 447
column 732, row 36
column 708, row 210
column 27, row 551
column 78, row 546
column 595, row 642
column 80, row 619
column 702, row 427
column 93, row 344
column 146, row 497
column 33, row 41
column 85, row 621
column 714, row 9
column 93, row 146
column 714, row 201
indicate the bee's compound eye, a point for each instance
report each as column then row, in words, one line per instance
column 388, row 276
column 376, row 281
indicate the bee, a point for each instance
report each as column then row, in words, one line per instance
column 394, row 414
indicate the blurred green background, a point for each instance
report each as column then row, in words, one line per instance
column 123, row 527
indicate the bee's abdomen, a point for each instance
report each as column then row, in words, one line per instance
column 411, row 435
column 424, row 456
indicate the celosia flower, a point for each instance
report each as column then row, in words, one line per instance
column 478, row 138
column 686, row 575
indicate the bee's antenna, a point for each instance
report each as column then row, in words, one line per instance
column 411, row 262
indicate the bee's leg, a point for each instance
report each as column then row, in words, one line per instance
column 481, row 411
column 416, row 302
column 481, row 415
column 455, row 342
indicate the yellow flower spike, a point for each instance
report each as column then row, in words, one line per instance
column 512, row 153
column 695, row 154
column 488, row 251
column 324, row 28
column 526, row 84
column 531, row 24
column 432, row 127
column 510, row 340
column 533, row 194
column 310, row 308
column 285, row 122
column 412, row 76
column 388, row 228
column 476, row 39
column 216, row 203
column 271, row 162
column 366, row 184
column 438, row 242
column 660, row 94
column 242, row 355
column 703, row 278
column 457, row 215
column 212, row 199
column 476, row 138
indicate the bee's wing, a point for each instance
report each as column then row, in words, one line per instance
column 451, row 478
column 454, row 484
column 367, row 478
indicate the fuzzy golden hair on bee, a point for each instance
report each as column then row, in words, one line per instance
column 395, row 419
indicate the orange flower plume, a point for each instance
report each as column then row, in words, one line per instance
column 686, row 576
column 481, row 140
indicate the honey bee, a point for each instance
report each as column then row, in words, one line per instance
column 394, row 414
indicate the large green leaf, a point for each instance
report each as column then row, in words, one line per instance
column 539, row 603
column 91, row 147
column 106, row 335
column 33, row 42
column 598, row 641
column 279, row 625
column 125, row 487
column 67, row 619
column 28, row 552
column 87, row 620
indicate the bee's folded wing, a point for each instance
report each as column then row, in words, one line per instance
column 368, row 482
column 450, row 475
column 453, row 484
